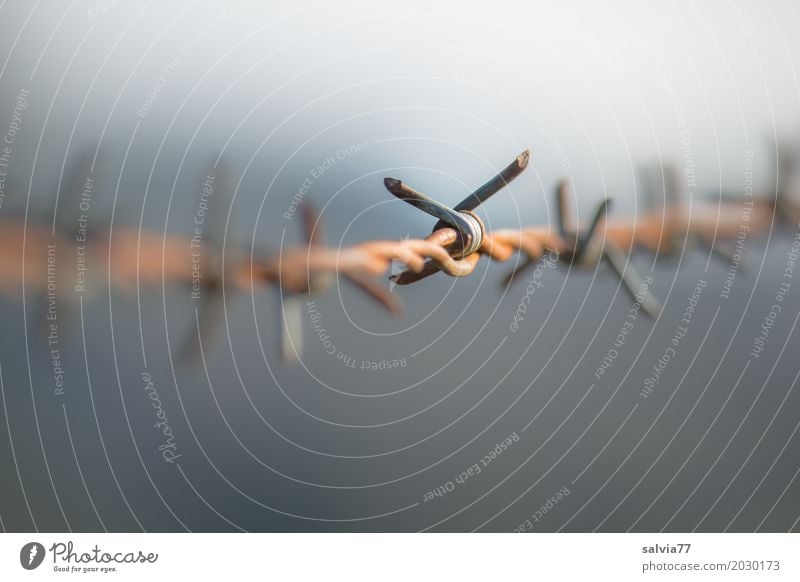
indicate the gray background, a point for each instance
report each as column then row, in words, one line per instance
column 443, row 97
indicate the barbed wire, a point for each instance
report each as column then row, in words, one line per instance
column 459, row 239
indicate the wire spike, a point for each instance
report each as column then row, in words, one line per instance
column 312, row 226
column 565, row 225
column 291, row 336
column 586, row 240
column 517, row 271
column 497, row 183
column 631, row 281
column 380, row 294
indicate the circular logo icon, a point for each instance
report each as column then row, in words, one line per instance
column 31, row 555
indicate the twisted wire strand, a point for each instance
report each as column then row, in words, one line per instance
column 137, row 259
column 147, row 258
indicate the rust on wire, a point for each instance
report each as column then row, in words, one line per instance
column 586, row 248
column 458, row 241
column 458, row 229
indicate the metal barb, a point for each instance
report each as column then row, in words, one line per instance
column 586, row 239
column 317, row 282
column 470, row 228
column 496, row 184
column 630, row 278
column 579, row 243
column 471, row 233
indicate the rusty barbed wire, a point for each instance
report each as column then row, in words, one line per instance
column 459, row 239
